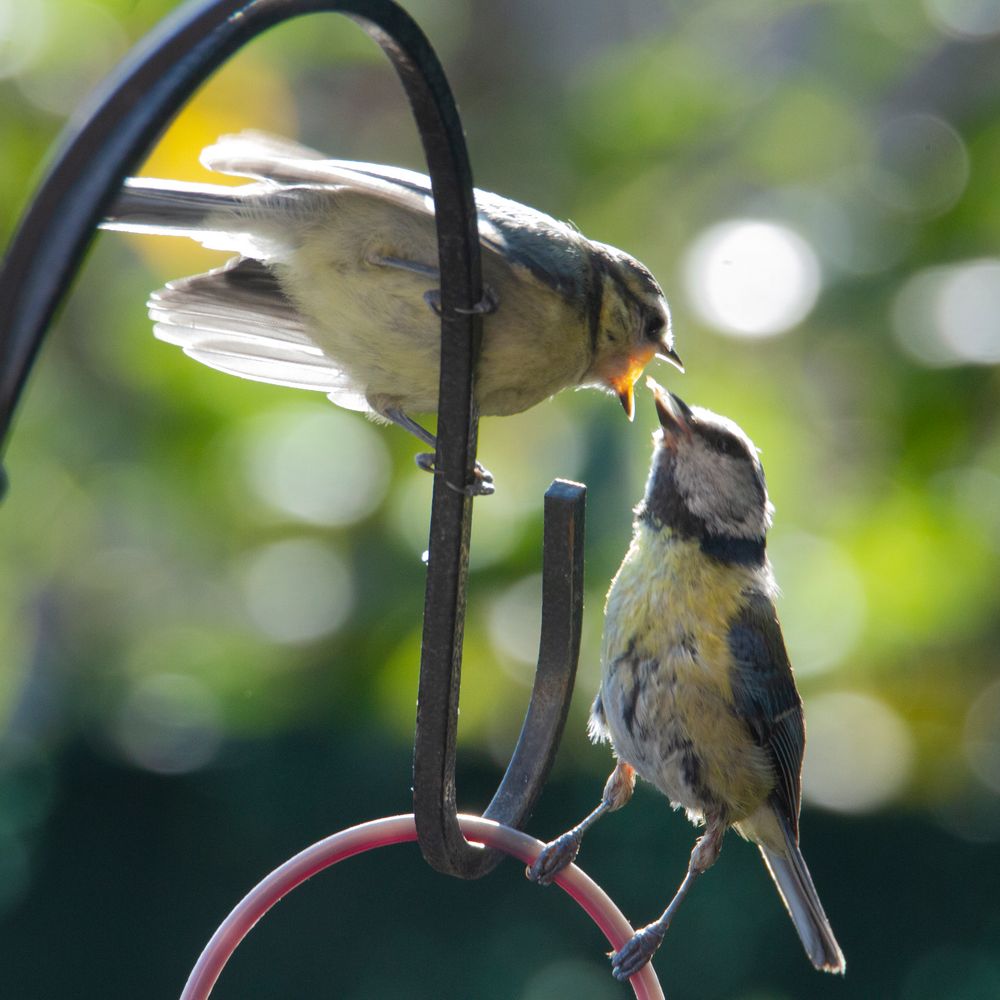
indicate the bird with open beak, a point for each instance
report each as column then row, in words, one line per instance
column 697, row 695
column 336, row 286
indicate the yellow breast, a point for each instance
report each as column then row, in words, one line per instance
column 667, row 675
column 667, row 592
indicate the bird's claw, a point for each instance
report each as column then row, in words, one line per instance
column 636, row 952
column 487, row 305
column 482, row 484
column 553, row 859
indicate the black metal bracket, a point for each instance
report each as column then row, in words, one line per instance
column 555, row 673
column 434, row 805
column 107, row 141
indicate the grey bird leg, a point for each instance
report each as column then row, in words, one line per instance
column 563, row 850
column 483, row 483
column 413, row 266
column 637, row 951
column 432, row 297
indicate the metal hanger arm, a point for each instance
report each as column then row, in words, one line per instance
column 108, row 140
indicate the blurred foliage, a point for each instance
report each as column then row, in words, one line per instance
column 211, row 589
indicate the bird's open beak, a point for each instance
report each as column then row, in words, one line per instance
column 626, row 396
column 624, row 384
column 675, row 415
column 669, row 354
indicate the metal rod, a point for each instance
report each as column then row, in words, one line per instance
column 108, row 140
column 558, row 655
column 112, row 133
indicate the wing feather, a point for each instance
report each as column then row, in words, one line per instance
column 238, row 320
column 522, row 236
column 766, row 697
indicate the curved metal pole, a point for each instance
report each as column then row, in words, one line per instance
column 398, row 830
column 110, row 139
column 110, row 136
column 107, row 141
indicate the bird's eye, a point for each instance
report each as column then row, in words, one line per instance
column 653, row 329
column 730, row 446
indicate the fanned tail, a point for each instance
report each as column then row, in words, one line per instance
column 238, row 320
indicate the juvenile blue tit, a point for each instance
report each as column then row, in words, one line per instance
column 697, row 695
column 335, row 288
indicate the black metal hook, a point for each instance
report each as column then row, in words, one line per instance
column 558, row 654
column 108, row 140
column 434, row 803
column 110, row 136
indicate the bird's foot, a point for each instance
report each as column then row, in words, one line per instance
column 554, row 858
column 487, row 305
column 482, row 484
column 637, row 951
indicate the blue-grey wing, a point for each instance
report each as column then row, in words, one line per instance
column 765, row 695
column 553, row 252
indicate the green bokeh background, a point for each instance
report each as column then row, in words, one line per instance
column 180, row 710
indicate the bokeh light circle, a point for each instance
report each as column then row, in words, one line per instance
column 751, row 277
column 317, row 464
column 966, row 19
column 946, row 316
column 922, row 166
column 297, row 590
column 859, row 752
column 169, row 723
column 981, row 736
column 514, row 623
column 822, row 601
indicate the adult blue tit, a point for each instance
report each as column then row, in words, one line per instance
column 335, row 286
column 697, row 695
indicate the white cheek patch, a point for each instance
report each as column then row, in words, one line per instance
column 721, row 490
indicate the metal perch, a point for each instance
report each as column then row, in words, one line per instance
column 383, row 833
column 107, row 141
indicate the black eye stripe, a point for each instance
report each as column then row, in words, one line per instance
column 724, row 443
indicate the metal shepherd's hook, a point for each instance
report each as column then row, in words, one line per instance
column 107, row 141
